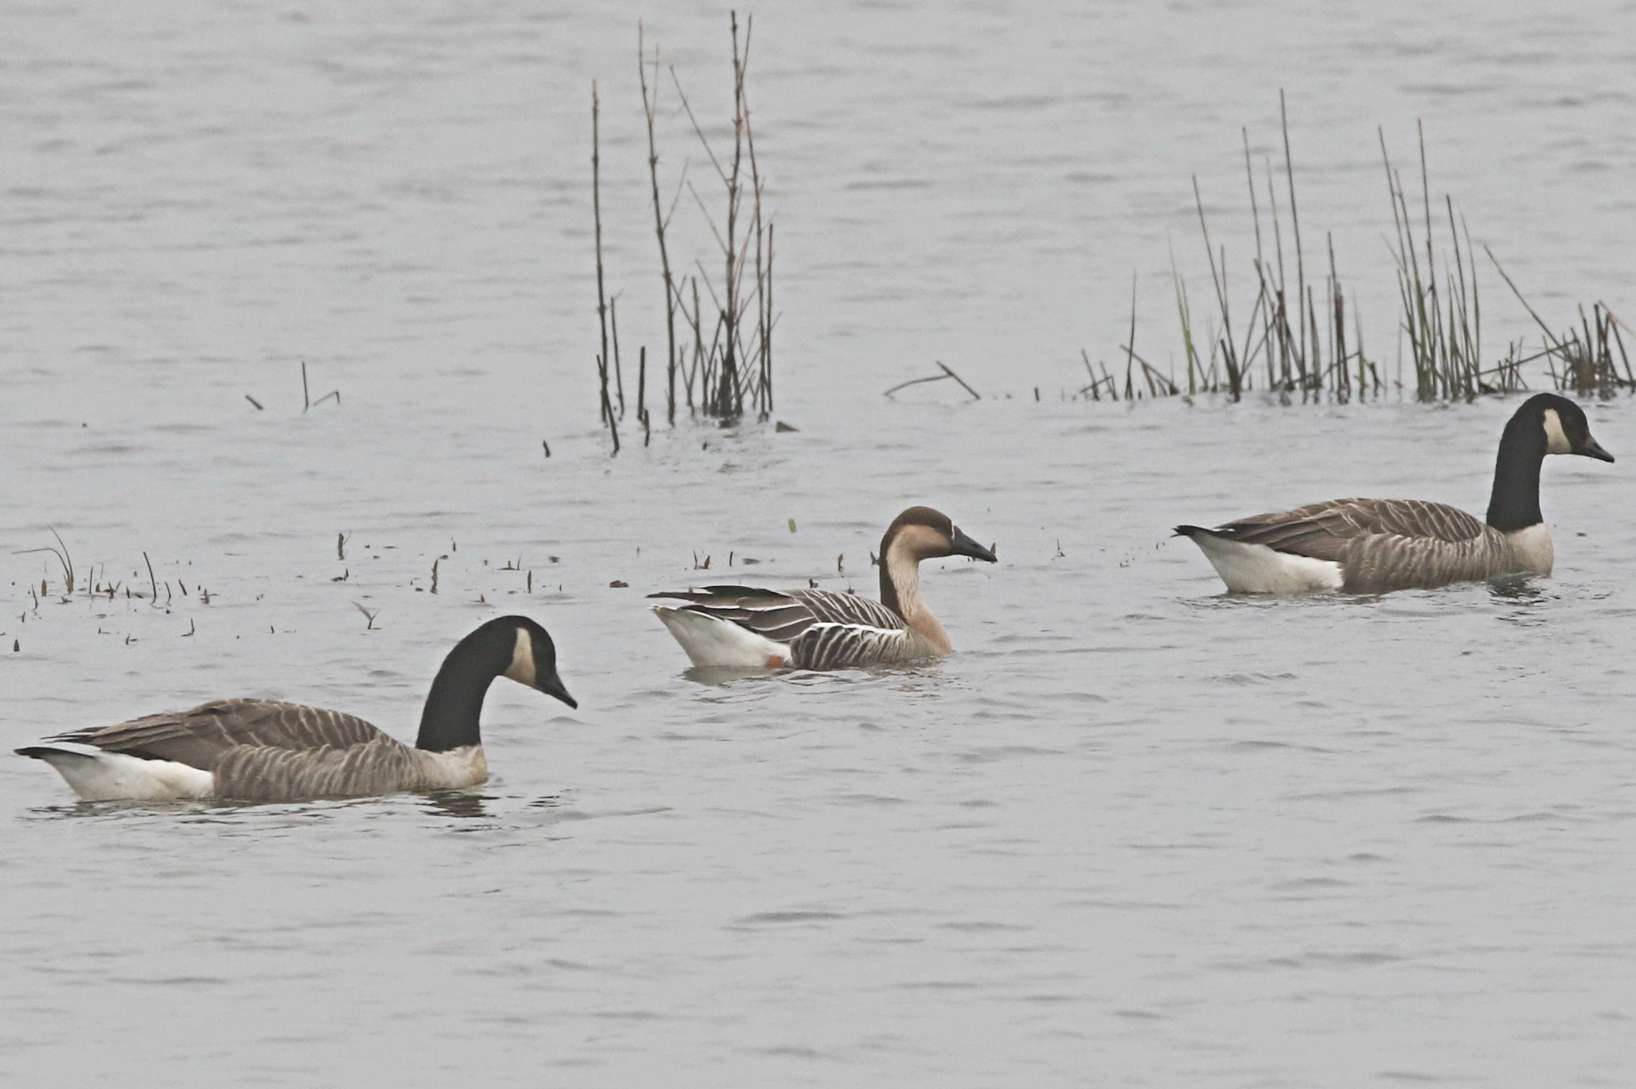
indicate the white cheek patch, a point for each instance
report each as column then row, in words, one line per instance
column 521, row 669
column 1556, row 439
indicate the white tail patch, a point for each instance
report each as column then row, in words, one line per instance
column 98, row 776
column 521, row 668
column 1257, row 569
column 710, row 641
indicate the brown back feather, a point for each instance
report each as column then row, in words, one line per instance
column 783, row 616
column 200, row 736
column 1326, row 531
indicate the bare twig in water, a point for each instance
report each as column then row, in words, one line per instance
column 734, row 364
column 729, row 399
column 306, row 401
column 369, row 616
column 650, row 107
column 947, row 374
column 642, row 395
column 618, row 366
column 153, row 584
column 1130, row 345
column 63, row 558
column 601, row 292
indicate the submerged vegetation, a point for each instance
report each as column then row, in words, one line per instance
column 1304, row 335
column 722, row 354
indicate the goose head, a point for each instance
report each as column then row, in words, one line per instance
column 1563, row 425
column 525, row 653
column 922, row 533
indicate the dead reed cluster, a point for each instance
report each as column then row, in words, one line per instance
column 101, row 587
column 1294, row 339
column 1580, row 360
column 722, row 356
column 1306, row 337
column 307, row 403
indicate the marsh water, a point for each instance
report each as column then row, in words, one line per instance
column 1135, row 832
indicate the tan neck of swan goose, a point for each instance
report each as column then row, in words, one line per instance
column 900, row 571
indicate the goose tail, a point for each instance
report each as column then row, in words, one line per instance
column 713, row 641
column 98, row 776
column 1257, row 569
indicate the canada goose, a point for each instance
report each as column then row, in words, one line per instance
column 746, row 627
column 268, row 751
column 1374, row 545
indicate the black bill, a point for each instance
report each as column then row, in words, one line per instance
column 1593, row 449
column 553, row 686
column 965, row 546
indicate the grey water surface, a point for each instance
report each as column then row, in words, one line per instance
column 1136, row 832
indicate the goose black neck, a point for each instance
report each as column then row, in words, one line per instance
column 455, row 703
column 1514, row 503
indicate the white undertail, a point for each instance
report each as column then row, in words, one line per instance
column 1257, row 569
column 98, row 776
column 710, row 641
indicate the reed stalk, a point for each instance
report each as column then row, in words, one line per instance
column 732, row 368
column 601, row 292
column 1307, row 337
column 650, row 109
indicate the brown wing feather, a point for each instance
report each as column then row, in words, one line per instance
column 200, row 736
column 1327, row 531
column 783, row 616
